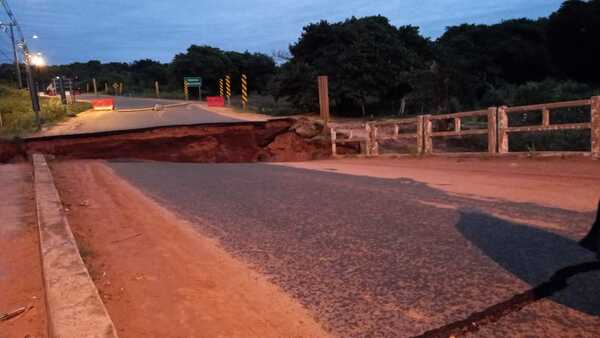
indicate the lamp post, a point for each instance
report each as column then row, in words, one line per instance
column 33, row 60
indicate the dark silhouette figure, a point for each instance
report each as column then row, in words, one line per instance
column 592, row 240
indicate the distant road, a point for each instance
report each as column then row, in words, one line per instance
column 124, row 102
column 96, row 121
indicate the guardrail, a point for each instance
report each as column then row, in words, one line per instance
column 378, row 132
column 351, row 133
column 504, row 129
column 497, row 128
column 490, row 130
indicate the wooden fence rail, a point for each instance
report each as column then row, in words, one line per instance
column 497, row 128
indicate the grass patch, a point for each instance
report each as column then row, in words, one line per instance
column 18, row 118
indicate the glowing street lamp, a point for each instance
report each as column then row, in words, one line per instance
column 37, row 60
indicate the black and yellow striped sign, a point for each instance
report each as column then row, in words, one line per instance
column 227, row 86
column 221, row 94
column 244, row 91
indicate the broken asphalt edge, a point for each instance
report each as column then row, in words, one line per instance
column 74, row 306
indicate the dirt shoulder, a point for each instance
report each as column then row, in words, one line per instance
column 572, row 183
column 20, row 268
column 174, row 282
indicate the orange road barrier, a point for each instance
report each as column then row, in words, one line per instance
column 103, row 104
column 215, row 101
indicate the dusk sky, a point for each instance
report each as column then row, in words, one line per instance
column 126, row 30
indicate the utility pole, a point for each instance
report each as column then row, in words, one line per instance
column 35, row 100
column 14, row 45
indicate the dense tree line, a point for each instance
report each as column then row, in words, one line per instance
column 394, row 69
column 139, row 76
column 377, row 68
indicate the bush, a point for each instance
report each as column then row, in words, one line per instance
column 18, row 118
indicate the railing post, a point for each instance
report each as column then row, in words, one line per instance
column 492, row 130
column 457, row 126
column 502, row 130
column 595, row 111
column 546, row 117
column 374, row 141
column 333, row 142
column 420, row 134
column 427, row 129
column 368, row 141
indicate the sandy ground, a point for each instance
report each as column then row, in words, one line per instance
column 572, row 183
column 173, row 282
column 20, row 269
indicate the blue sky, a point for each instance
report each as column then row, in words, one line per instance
column 126, row 30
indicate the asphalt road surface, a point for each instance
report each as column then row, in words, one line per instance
column 96, row 121
column 374, row 257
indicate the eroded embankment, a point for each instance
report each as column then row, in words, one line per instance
column 276, row 140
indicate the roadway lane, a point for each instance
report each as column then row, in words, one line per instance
column 124, row 102
column 96, row 121
column 373, row 257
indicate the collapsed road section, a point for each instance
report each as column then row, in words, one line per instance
column 280, row 140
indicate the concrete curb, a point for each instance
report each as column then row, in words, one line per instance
column 73, row 304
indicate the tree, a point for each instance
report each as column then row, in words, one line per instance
column 366, row 60
column 208, row 62
column 573, row 33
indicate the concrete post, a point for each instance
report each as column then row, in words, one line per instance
column 420, row 121
column 492, row 130
column 368, row 141
column 95, row 87
column 156, row 89
column 546, row 117
column 374, row 142
column 502, row 130
column 457, row 126
column 595, row 126
column 427, row 130
column 333, row 142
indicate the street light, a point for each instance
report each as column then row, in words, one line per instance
column 37, row 60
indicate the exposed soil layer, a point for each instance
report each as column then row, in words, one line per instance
column 20, row 268
column 10, row 151
column 157, row 276
column 275, row 140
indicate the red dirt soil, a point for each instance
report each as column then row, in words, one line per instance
column 273, row 140
column 20, row 264
column 158, row 276
column 569, row 183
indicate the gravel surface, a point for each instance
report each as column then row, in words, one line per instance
column 373, row 257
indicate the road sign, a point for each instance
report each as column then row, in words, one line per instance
column 195, row 81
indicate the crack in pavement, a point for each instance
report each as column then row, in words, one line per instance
column 492, row 314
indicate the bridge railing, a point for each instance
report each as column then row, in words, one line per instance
column 488, row 129
column 547, row 109
column 493, row 122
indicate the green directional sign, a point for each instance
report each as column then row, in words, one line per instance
column 193, row 81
